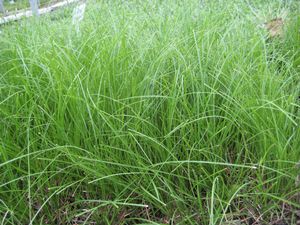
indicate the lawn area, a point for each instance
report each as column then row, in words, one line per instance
column 155, row 112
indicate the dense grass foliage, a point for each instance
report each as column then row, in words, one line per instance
column 180, row 112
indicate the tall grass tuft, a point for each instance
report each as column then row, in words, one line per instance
column 180, row 112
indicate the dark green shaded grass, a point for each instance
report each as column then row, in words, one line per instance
column 154, row 112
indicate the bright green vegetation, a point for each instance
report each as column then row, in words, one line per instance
column 156, row 111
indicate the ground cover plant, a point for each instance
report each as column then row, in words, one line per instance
column 155, row 112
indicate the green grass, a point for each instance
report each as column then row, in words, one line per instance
column 157, row 111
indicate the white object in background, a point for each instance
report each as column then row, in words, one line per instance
column 28, row 13
column 1, row 7
column 11, row 2
column 34, row 7
column 78, row 14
